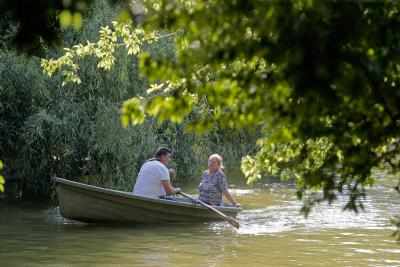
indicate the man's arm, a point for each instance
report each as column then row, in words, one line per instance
column 169, row 189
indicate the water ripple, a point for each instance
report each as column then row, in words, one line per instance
column 285, row 216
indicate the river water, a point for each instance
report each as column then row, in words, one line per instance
column 272, row 233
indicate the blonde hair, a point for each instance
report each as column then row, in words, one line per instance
column 218, row 157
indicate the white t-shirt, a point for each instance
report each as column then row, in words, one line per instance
column 148, row 182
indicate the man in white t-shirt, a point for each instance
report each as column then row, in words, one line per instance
column 153, row 179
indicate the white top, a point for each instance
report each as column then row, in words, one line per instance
column 148, row 182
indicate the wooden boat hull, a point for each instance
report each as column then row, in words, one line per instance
column 89, row 203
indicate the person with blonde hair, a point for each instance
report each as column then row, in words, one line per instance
column 214, row 184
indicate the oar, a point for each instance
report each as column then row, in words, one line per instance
column 227, row 218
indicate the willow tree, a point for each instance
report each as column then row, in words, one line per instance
column 318, row 78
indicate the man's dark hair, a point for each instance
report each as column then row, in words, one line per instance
column 162, row 151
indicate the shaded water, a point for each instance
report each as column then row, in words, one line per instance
column 272, row 233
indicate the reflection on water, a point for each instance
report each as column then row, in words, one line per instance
column 286, row 217
column 272, row 233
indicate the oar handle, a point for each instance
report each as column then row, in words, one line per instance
column 229, row 219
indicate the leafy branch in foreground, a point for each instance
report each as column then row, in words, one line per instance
column 121, row 34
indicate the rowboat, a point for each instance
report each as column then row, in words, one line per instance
column 88, row 203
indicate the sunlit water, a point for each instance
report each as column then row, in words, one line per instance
column 272, row 233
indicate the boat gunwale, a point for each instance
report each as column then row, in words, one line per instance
column 129, row 195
